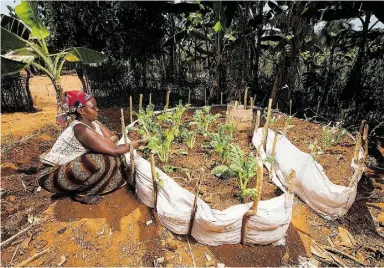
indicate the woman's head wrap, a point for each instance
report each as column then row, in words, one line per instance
column 72, row 100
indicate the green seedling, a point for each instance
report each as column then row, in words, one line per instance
column 203, row 119
column 161, row 143
column 189, row 136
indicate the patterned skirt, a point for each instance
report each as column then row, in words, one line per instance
column 88, row 174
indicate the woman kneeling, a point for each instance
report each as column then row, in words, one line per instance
column 85, row 160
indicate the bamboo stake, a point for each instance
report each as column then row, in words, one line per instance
column 150, row 98
column 221, row 98
column 141, row 101
column 277, row 106
column 253, row 210
column 362, row 124
column 357, row 147
column 189, row 96
column 254, row 99
column 290, row 107
column 130, row 109
column 236, row 103
column 123, row 130
column 245, row 98
column 251, row 103
column 153, row 171
column 273, row 155
column 167, row 100
column 132, row 161
column 291, row 184
column 258, row 114
column 194, row 209
column 267, row 124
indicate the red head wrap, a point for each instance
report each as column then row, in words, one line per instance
column 72, row 100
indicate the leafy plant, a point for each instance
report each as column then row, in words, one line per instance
column 221, row 144
column 161, row 143
column 245, row 167
column 24, row 42
column 287, row 124
column 189, row 136
column 315, row 149
column 169, row 169
column 223, row 172
column 173, row 118
column 146, row 125
column 203, row 119
column 227, row 129
column 332, row 135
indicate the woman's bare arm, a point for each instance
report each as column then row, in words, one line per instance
column 96, row 143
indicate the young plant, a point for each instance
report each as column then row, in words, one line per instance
column 173, row 118
column 221, row 144
column 315, row 149
column 332, row 135
column 146, row 125
column 161, row 143
column 189, row 136
column 245, row 167
column 203, row 119
column 227, row 129
column 287, row 125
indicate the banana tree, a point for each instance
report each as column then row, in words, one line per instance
column 23, row 39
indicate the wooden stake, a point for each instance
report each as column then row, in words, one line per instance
column 123, row 130
column 141, row 101
column 167, row 100
column 189, row 96
column 273, row 155
column 267, row 124
column 153, row 171
column 130, row 109
column 277, row 106
column 251, row 103
column 291, row 183
column 290, row 107
column 258, row 114
column 253, row 210
column 357, row 147
column 132, row 161
column 205, row 97
column 254, row 99
column 245, row 98
column 194, row 209
column 362, row 124
column 236, row 103
column 150, row 98
column 221, row 98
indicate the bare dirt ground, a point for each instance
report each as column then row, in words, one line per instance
column 119, row 231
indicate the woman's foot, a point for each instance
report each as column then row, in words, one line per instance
column 88, row 199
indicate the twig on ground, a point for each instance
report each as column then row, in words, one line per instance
column 14, row 254
column 6, row 242
column 190, row 251
column 344, row 254
column 22, row 183
column 34, row 257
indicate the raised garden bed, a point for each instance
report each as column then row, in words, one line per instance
column 185, row 165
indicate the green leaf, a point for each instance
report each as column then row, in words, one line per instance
column 9, row 66
column 217, row 27
column 26, row 11
column 169, row 169
column 84, row 55
column 10, row 41
column 223, row 172
column 15, row 26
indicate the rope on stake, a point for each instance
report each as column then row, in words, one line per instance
column 153, row 171
column 253, row 210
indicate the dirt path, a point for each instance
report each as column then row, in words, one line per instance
column 118, row 231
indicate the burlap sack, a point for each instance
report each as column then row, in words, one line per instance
column 242, row 119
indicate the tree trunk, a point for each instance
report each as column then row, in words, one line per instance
column 80, row 75
column 353, row 86
column 59, row 91
column 258, row 51
column 28, row 90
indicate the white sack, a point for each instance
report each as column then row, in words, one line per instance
column 211, row 227
column 311, row 185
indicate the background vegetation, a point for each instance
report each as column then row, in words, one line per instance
column 275, row 48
